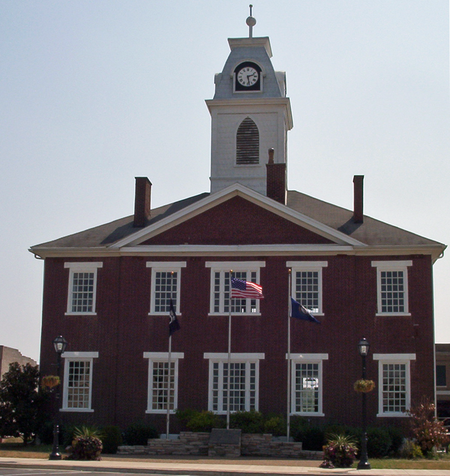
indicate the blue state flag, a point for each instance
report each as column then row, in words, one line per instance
column 300, row 312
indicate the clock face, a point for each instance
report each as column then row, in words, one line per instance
column 247, row 76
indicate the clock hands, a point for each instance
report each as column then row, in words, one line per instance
column 251, row 75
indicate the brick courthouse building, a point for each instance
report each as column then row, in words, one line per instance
column 107, row 289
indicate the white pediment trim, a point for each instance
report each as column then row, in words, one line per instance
column 226, row 194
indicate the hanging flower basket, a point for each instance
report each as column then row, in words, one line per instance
column 364, row 386
column 50, row 381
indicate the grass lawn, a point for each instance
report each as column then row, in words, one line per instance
column 390, row 463
column 13, row 448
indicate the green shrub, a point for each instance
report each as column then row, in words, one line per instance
column 297, row 426
column 185, row 415
column 275, row 424
column 410, row 450
column 67, row 433
column 337, row 429
column 312, row 437
column 139, row 433
column 111, row 439
column 248, row 422
column 397, row 438
column 378, row 442
column 45, row 433
column 204, row 421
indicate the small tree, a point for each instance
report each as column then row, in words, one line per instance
column 21, row 402
column 428, row 431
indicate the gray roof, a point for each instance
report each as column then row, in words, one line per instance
column 371, row 232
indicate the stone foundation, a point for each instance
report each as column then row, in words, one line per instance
column 188, row 444
column 198, row 444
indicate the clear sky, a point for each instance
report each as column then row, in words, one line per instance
column 95, row 93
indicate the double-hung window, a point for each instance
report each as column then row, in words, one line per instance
column 165, row 287
column 162, row 381
column 77, row 390
column 221, row 273
column 307, row 384
column 394, row 384
column 392, row 287
column 233, row 383
column 306, row 282
column 82, row 288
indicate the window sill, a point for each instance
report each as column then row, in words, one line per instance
column 393, row 314
column 80, row 313
column 308, row 414
column 159, row 412
column 234, row 411
column 240, row 314
column 393, row 415
column 162, row 314
column 77, row 410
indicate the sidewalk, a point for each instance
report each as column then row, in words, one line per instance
column 209, row 467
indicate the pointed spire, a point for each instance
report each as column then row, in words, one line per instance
column 251, row 22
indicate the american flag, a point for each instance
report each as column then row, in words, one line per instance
column 245, row 289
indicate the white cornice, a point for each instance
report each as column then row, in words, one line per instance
column 260, row 41
column 234, row 250
column 245, row 103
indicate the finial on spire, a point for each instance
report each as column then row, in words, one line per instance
column 251, row 22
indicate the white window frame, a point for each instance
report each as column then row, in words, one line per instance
column 77, row 357
column 165, row 266
column 305, row 266
column 221, row 359
column 402, row 359
column 392, row 266
column 222, row 267
column 162, row 357
column 316, row 359
column 82, row 267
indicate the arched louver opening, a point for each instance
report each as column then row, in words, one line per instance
column 247, row 143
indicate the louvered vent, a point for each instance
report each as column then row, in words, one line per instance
column 247, row 143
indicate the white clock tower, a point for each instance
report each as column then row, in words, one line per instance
column 250, row 114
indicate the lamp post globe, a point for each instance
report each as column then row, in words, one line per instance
column 363, row 347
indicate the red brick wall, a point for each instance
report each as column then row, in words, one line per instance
column 122, row 331
column 237, row 222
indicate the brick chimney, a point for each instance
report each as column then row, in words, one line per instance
column 276, row 180
column 358, row 216
column 142, row 201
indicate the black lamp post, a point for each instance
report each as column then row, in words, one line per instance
column 363, row 348
column 60, row 345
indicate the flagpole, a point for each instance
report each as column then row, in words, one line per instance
column 288, row 416
column 169, row 371
column 229, row 357
column 168, row 388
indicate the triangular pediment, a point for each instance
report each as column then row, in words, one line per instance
column 237, row 221
column 236, row 216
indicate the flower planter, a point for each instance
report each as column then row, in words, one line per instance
column 50, row 381
column 364, row 386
